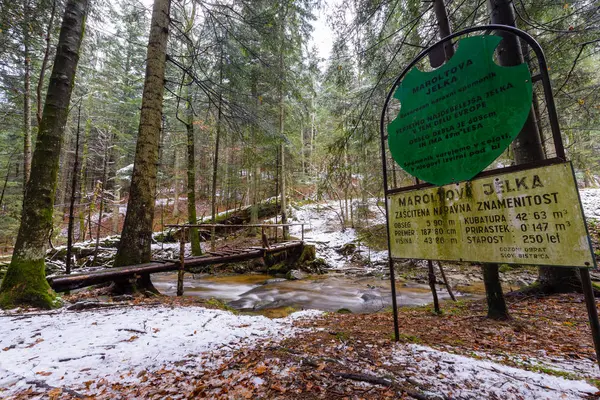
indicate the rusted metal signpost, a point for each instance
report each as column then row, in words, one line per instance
column 453, row 123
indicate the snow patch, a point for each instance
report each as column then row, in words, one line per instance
column 590, row 200
column 462, row 377
column 323, row 230
column 68, row 348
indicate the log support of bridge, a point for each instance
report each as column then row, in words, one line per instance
column 61, row 283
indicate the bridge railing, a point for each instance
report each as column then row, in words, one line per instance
column 224, row 252
column 269, row 232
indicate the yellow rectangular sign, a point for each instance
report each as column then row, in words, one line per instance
column 528, row 217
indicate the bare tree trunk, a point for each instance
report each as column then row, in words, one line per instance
column 115, row 209
column 73, row 195
column 176, row 182
column 448, row 287
column 134, row 247
column 431, row 279
column 83, row 179
column 493, row 291
column 213, row 205
column 102, row 192
column 6, row 179
column 441, row 16
column 25, row 281
column 312, row 134
column 191, row 177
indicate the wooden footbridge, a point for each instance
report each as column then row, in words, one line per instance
column 221, row 256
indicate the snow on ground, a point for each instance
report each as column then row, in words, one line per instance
column 323, row 229
column 461, row 377
column 69, row 348
column 590, row 199
column 85, row 350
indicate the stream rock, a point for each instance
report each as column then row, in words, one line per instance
column 347, row 249
column 295, row 274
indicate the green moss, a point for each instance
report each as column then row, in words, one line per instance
column 554, row 372
column 409, row 338
column 459, row 307
column 594, row 382
column 25, row 284
column 505, row 268
column 220, row 305
column 374, row 236
column 342, row 336
column 309, row 253
column 279, row 268
column 344, row 311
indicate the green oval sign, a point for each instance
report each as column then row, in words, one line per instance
column 456, row 120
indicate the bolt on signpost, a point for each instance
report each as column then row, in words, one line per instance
column 453, row 123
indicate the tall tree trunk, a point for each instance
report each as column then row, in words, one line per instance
column 73, row 194
column 25, row 281
column 83, row 178
column 191, row 176
column 26, row 96
column 527, row 147
column 176, row 181
column 282, row 128
column 493, row 290
column 254, row 165
column 134, row 247
column 40, row 84
column 440, row 54
column 102, row 194
column 8, row 165
column 215, row 171
column 115, row 209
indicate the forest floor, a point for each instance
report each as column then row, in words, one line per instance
column 165, row 347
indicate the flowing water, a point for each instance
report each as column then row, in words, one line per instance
column 324, row 292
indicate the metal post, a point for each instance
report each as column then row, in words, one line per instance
column 394, row 301
column 590, row 302
column 181, row 270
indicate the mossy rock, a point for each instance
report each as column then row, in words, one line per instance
column 279, row 268
column 347, row 249
column 309, row 254
column 166, row 237
column 112, row 242
column 295, row 275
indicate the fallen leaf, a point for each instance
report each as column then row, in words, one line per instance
column 55, row 393
column 43, row 373
column 260, row 369
column 39, row 340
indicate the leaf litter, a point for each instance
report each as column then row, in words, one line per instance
column 544, row 352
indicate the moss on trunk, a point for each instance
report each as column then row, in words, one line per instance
column 25, row 283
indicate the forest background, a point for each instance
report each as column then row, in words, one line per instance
column 250, row 109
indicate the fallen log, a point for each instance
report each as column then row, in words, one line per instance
column 61, row 283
